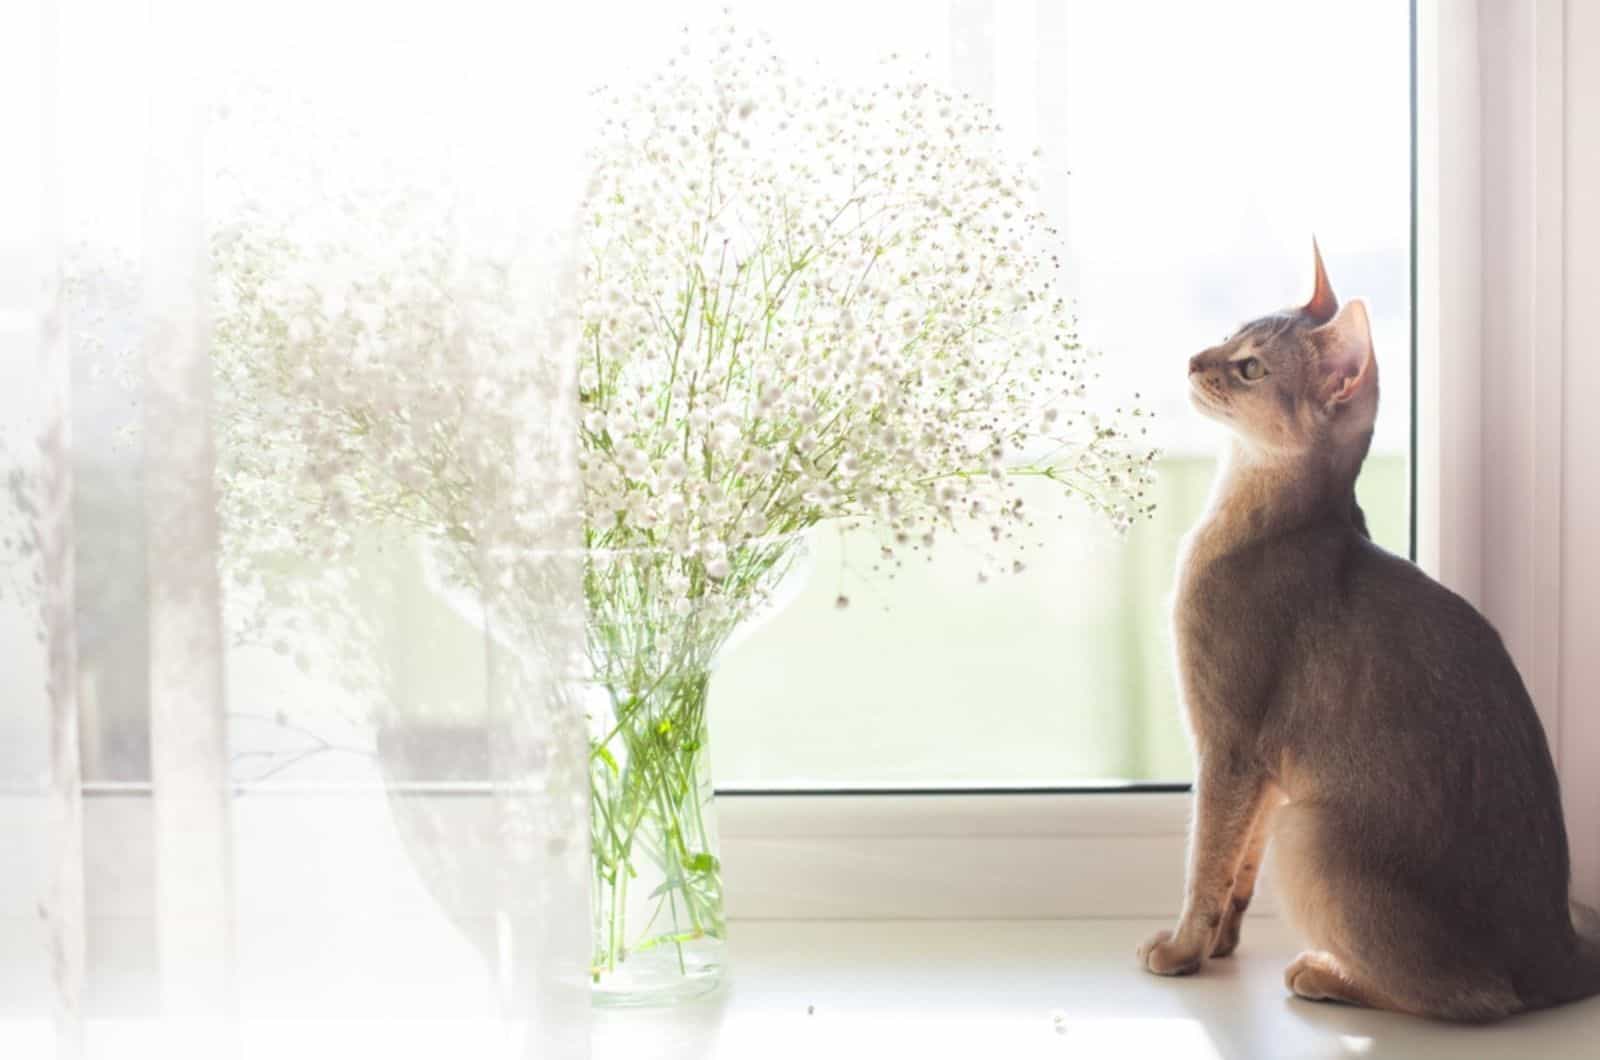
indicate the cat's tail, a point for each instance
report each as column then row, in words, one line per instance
column 1586, row 922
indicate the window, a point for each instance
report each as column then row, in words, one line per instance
column 1187, row 166
column 1186, row 169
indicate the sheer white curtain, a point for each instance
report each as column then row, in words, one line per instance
column 287, row 759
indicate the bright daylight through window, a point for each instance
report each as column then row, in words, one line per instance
column 1187, row 165
column 1181, row 212
column 447, row 447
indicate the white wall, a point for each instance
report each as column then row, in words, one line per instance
column 1580, row 445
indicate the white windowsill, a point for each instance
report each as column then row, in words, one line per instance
column 991, row 856
column 925, row 857
column 989, row 989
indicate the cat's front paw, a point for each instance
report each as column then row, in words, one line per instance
column 1162, row 955
column 1227, row 939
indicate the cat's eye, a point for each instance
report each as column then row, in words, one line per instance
column 1252, row 369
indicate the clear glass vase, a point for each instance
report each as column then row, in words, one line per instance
column 659, row 928
column 656, row 622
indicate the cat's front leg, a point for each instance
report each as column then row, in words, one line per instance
column 1228, row 797
column 1244, row 877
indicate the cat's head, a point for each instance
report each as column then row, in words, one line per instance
column 1294, row 380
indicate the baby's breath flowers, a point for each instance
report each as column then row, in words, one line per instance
column 366, row 376
column 806, row 302
column 801, row 303
column 798, row 302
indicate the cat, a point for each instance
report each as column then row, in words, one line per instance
column 1359, row 714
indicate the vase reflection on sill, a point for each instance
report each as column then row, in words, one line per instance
column 656, row 623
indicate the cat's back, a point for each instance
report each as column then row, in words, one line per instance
column 1396, row 670
column 1405, row 696
column 1389, row 607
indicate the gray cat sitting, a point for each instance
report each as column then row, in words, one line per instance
column 1362, row 716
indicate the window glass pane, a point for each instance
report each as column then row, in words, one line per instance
column 1188, row 152
column 1187, row 167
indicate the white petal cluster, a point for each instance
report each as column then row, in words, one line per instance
column 797, row 302
column 806, row 302
column 369, row 376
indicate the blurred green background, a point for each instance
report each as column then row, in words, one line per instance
column 1059, row 675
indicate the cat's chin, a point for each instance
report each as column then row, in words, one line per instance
column 1205, row 405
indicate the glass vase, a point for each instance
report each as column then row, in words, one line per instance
column 659, row 927
column 656, row 623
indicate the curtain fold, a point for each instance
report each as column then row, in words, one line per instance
column 288, row 581
column 192, row 820
column 54, row 535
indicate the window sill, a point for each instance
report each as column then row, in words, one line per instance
column 976, row 989
column 936, row 856
column 880, row 856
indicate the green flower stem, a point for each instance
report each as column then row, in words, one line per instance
column 648, row 771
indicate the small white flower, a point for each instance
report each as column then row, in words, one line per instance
column 633, row 461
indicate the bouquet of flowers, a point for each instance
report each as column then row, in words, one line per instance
column 797, row 303
column 802, row 304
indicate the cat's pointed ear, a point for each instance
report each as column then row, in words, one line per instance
column 1344, row 354
column 1323, row 302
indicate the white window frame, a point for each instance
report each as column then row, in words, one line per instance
column 1490, row 275
column 1501, row 250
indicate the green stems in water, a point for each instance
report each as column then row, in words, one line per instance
column 656, row 621
column 649, row 786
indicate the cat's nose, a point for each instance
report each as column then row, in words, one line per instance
column 1196, row 363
